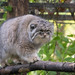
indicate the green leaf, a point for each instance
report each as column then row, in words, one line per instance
column 56, row 38
column 71, row 51
column 70, row 35
column 69, row 59
column 60, row 45
column 8, row 8
column 71, row 48
column 59, row 56
column 65, row 39
column 5, row 16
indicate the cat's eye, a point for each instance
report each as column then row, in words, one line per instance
column 41, row 30
column 33, row 26
column 48, row 32
column 41, row 33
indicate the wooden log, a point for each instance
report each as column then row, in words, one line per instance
column 39, row 65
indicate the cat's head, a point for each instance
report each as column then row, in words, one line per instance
column 40, row 31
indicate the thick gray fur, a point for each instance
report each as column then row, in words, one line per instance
column 18, row 41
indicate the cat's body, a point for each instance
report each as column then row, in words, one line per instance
column 22, row 36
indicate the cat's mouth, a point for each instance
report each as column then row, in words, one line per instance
column 40, row 35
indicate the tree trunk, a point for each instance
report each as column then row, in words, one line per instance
column 19, row 8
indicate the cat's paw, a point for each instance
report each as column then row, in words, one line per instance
column 33, row 59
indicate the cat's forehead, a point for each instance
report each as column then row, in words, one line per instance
column 41, row 22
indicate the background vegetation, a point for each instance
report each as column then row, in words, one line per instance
column 62, row 46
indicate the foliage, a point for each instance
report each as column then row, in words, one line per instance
column 5, row 9
column 8, row 8
column 60, row 49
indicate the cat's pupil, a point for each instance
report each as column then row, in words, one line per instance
column 32, row 26
column 48, row 32
column 41, row 30
column 41, row 33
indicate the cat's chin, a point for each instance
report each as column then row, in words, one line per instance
column 40, row 41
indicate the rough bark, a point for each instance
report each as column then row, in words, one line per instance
column 19, row 8
column 40, row 65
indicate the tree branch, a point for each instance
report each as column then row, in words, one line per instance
column 39, row 65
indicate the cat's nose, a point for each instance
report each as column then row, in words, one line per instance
column 44, row 34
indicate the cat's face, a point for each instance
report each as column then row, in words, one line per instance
column 40, row 31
